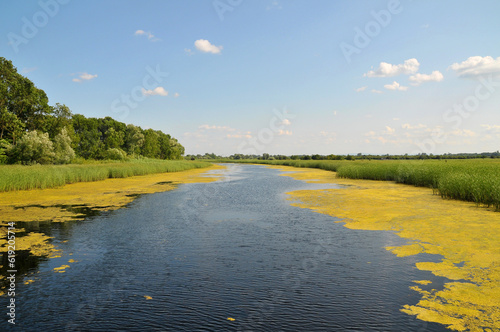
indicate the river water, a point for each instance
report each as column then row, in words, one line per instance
column 189, row 259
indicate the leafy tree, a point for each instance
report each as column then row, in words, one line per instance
column 151, row 148
column 10, row 126
column 134, row 139
column 60, row 118
column 90, row 145
column 22, row 98
column 64, row 153
column 113, row 139
column 33, row 147
column 4, row 148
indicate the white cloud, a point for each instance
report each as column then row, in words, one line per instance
column 418, row 79
column 214, row 127
column 363, row 88
column 286, row 122
column 410, row 127
column 205, row 46
column 395, row 86
column 147, row 34
column 84, row 77
column 491, row 127
column 176, row 94
column 159, row 91
column 476, row 66
column 389, row 130
column 284, row 132
column 376, row 91
column 385, row 69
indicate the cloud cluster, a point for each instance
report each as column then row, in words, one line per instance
column 159, row 91
column 418, row 78
column 395, row 86
column 476, row 66
column 84, row 77
column 385, row 69
column 205, row 46
column 147, row 34
column 408, row 67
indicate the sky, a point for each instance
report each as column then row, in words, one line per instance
column 271, row 76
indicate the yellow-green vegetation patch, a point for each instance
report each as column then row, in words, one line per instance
column 55, row 204
column 61, row 269
column 466, row 236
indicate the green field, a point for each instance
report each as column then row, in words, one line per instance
column 474, row 180
column 17, row 177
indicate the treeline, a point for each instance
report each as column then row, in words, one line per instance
column 32, row 131
column 359, row 156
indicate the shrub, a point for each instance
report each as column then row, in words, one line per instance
column 64, row 153
column 115, row 154
column 33, row 148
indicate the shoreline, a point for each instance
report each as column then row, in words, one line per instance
column 58, row 204
column 466, row 236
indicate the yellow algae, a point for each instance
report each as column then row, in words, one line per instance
column 422, row 282
column 106, row 195
column 147, row 297
column 72, row 261
column 231, row 319
column 37, row 243
column 466, row 236
column 110, row 194
column 61, row 269
column 27, row 282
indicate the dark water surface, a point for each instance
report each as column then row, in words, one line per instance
column 207, row 252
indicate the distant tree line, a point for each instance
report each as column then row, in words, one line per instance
column 32, row 131
column 359, row 156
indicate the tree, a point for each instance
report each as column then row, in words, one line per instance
column 22, row 98
column 10, row 126
column 90, row 145
column 151, row 148
column 4, row 148
column 64, row 153
column 134, row 139
column 33, row 147
column 113, row 139
column 60, row 118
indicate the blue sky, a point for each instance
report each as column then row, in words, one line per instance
column 274, row 76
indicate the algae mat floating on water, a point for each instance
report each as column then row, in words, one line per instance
column 75, row 201
column 466, row 236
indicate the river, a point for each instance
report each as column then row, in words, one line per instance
column 231, row 255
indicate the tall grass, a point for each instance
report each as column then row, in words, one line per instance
column 17, row 177
column 476, row 180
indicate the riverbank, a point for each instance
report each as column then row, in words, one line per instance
column 18, row 177
column 78, row 200
column 475, row 180
column 467, row 238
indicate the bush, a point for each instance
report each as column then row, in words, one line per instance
column 33, row 148
column 115, row 154
column 4, row 148
column 64, row 153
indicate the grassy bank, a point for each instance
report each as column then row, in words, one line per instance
column 475, row 180
column 17, row 177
